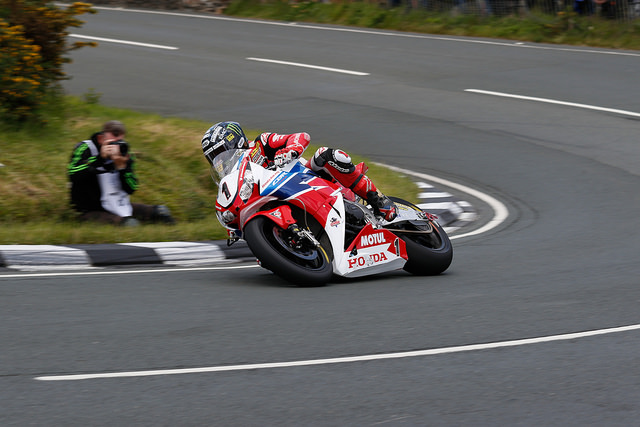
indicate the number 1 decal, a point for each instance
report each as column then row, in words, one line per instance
column 225, row 190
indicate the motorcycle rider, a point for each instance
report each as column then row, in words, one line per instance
column 280, row 149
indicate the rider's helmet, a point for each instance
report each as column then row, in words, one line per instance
column 222, row 137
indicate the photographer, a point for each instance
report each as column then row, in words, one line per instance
column 102, row 178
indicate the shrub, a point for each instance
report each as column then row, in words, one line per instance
column 32, row 47
column 22, row 83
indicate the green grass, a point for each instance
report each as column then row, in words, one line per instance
column 564, row 27
column 34, row 200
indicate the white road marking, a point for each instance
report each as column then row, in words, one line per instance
column 434, row 195
column 500, row 211
column 424, row 185
column 441, row 206
column 336, row 360
column 514, row 44
column 316, row 67
column 103, row 39
column 554, row 101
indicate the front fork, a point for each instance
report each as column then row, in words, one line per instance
column 299, row 235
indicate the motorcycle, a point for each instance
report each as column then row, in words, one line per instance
column 306, row 229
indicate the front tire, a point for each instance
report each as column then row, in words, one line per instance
column 307, row 266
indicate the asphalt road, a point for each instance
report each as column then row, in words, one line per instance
column 564, row 262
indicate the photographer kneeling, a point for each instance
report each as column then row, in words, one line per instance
column 102, row 178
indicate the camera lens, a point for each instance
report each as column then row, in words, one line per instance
column 124, row 147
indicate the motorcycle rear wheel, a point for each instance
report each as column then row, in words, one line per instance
column 429, row 253
column 304, row 267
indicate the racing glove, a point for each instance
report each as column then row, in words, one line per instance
column 285, row 156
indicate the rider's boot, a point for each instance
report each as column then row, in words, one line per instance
column 381, row 204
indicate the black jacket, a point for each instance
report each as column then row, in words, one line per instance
column 83, row 173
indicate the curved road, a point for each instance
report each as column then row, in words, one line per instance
column 565, row 262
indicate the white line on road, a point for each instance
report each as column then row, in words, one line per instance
column 500, row 211
column 553, row 101
column 317, row 67
column 103, row 39
column 336, row 360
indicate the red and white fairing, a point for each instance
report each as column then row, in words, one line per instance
column 374, row 250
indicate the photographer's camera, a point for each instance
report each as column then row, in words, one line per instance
column 124, row 147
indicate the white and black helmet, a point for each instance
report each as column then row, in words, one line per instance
column 222, row 137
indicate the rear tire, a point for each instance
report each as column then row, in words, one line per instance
column 429, row 253
column 306, row 267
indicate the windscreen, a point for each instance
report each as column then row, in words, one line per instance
column 225, row 162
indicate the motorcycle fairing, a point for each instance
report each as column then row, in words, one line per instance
column 302, row 188
column 374, row 250
column 228, row 190
column 280, row 215
column 234, row 191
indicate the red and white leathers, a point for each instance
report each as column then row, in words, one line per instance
column 282, row 149
column 339, row 166
column 277, row 148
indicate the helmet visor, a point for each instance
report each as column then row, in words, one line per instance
column 224, row 163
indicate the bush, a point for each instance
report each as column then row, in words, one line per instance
column 32, row 47
column 22, row 83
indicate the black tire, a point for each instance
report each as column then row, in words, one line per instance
column 429, row 253
column 307, row 267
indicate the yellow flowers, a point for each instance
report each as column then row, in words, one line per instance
column 32, row 48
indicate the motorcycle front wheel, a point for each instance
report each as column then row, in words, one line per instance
column 303, row 265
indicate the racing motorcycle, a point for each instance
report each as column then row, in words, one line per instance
column 305, row 228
